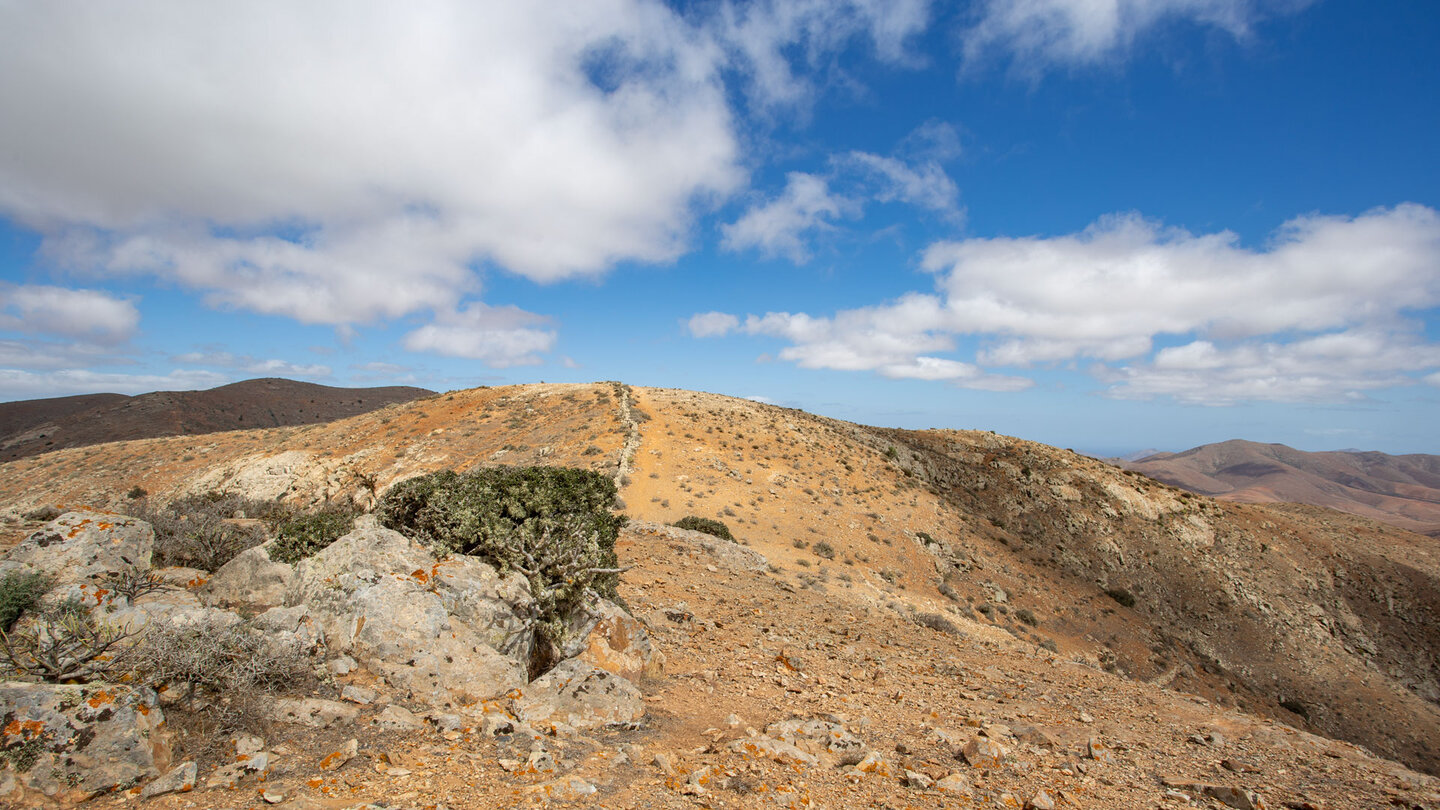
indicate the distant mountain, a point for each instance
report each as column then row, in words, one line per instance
column 1403, row 491
column 35, row 426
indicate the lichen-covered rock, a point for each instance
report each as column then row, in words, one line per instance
column 615, row 641
column 80, row 545
column 251, row 580
column 71, row 742
column 451, row 632
column 816, row 735
column 579, row 695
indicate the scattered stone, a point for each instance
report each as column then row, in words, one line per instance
column 917, row 780
column 358, row 694
column 982, row 752
column 875, row 763
column 816, row 735
column 1235, row 797
column 1098, row 751
column 1238, row 766
column 1036, row 736
column 397, row 718
column 246, row 744
column 338, row 759
column 180, row 779
column 765, row 747
column 567, row 789
column 662, row 761
column 230, row 776
column 1086, row 718
column 734, row 721
column 1040, row 801
column 955, row 785
column 343, row 665
column 272, row 796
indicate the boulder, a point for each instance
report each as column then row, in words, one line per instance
column 615, row 641
column 251, row 580
column 580, row 696
column 440, row 629
column 80, row 545
column 71, row 742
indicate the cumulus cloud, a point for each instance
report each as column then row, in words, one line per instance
column 1324, row 311
column 778, row 44
column 925, row 184
column 498, row 336
column 89, row 316
column 1041, row 34
column 339, row 163
column 251, row 365
column 712, row 324
column 20, row 384
column 781, row 227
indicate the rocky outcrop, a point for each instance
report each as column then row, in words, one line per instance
column 69, row 743
column 84, row 544
column 250, row 580
column 579, row 696
column 450, row 632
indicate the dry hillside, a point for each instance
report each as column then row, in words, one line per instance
column 913, row 587
column 35, row 426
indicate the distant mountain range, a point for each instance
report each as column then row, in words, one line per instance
column 1403, row 491
column 35, row 426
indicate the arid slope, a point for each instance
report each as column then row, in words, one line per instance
column 1316, row 619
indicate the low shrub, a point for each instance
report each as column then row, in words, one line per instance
column 1121, row 595
column 66, row 645
column 708, row 526
column 303, row 535
column 552, row 524
column 20, row 591
column 1027, row 616
column 824, row 549
column 936, row 621
column 202, row 531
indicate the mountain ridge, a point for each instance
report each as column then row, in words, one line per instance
column 1403, row 490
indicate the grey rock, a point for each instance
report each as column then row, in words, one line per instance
column 579, row 695
column 613, row 640
column 313, row 712
column 179, row 780
column 81, row 545
column 250, row 580
column 358, row 694
column 85, row 739
column 434, row 628
column 982, row 752
column 397, row 718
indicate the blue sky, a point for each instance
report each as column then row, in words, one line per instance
column 1104, row 225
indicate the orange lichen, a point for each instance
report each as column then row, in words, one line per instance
column 100, row 698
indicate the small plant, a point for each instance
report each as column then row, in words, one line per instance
column 936, row 621
column 1027, row 616
column 133, row 584
column 890, row 575
column 304, row 535
column 925, row 538
column 1121, row 595
column 66, row 645
column 824, row 549
column 20, row 591
column 44, row 514
column 705, row 525
column 136, row 493
column 201, row 531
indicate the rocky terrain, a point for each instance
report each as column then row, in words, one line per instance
column 933, row 618
column 35, row 426
column 1403, row 491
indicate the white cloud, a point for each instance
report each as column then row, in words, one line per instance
column 1324, row 311
column 925, row 184
column 395, row 147
column 780, row 227
column 251, row 365
column 499, row 336
column 1433, row 379
column 712, row 324
column 1040, row 34
column 86, row 315
column 18, row 384
column 779, row 44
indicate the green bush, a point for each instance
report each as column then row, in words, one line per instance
column 705, row 525
column 552, row 524
column 824, row 549
column 303, row 535
column 19, row 592
column 1121, row 595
